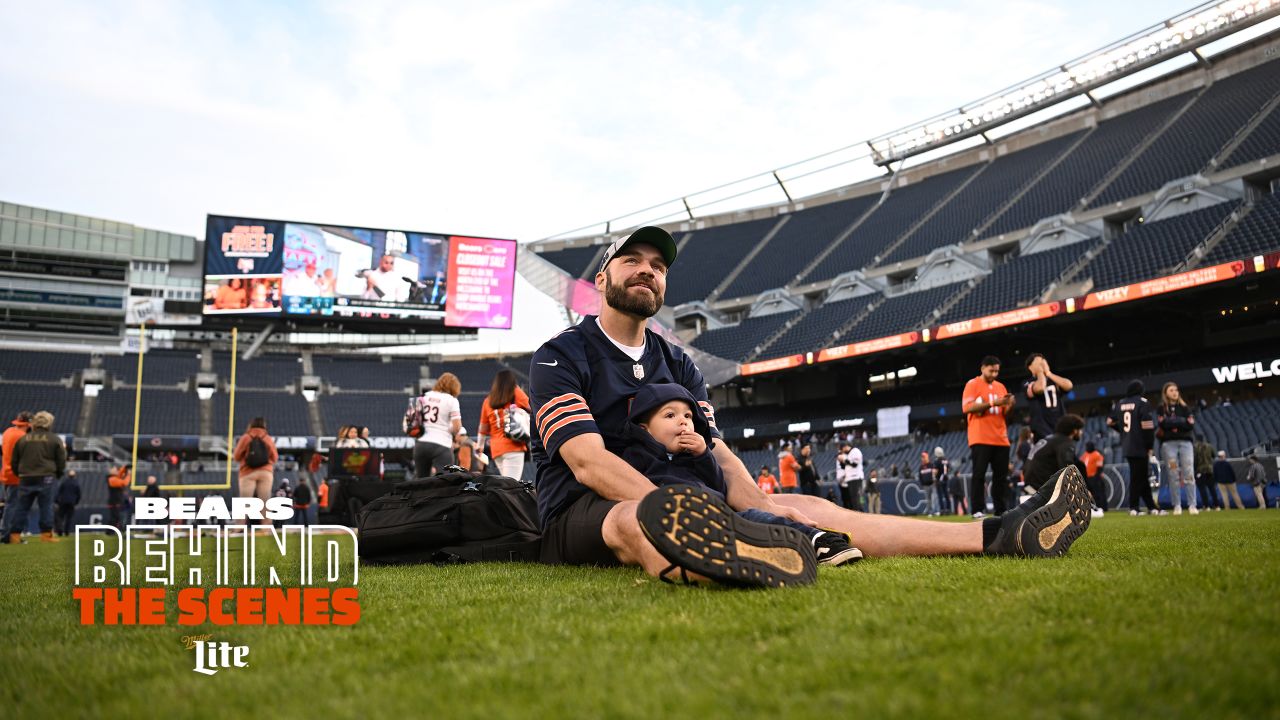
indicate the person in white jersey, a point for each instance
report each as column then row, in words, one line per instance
column 441, row 421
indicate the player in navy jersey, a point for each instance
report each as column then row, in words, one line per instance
column 1046, row 393
column 1133, row 417
column 595, row 509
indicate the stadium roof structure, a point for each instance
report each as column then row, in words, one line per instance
column 1180, row 35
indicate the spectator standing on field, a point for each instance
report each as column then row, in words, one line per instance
column 788, row 468
column 505, row 408
column 808, row 473
column 985, row 402
column 1257, row 477
column 1133, row 417
column 302, row 503
column 39, row 459
column 64, row 504
column 257, row 455
column 441, row 420
column 1206, row 488
column 1175, row 426
column 872, row 489
column 928, row 483
column 767, row 483
column 1225, row 477
column 12, row 434
column 849, row 476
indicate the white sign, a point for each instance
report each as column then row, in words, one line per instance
column 855, row 422
column 893, row 421
column 1248, row 371
column 798, row 427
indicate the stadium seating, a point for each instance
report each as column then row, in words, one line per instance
column 1257, row 233
column 381, row 413
column 574, row 261
column 1188, row 145
column 1154, row 248
column 796, row 244
column 44, row 366
column 159, row 367
column 709, row 255
column 1017, row 282
column 163, row 412
column 64, row 403
column 285, row 413
column 901, row 313
column 263, row 371
column 1239, row 427
column 474, row 375
column 1001, row 180
column 817, row 329
column 367, row 373
column 1262, row 142
column 904, row 206
column 738, row 341
column 1068, row 183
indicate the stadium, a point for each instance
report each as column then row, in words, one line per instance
column 1118, row 216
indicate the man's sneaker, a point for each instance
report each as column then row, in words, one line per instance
column 1193, row 510
column 833, row 549
column 1177, row 509
column 1047, row 524
column 1098, row 512
column 1133, row 513
column 978, row 515
column 700, row 533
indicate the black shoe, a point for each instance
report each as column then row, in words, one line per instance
column 1047, row 523
column 699, row 532
column 833, row 549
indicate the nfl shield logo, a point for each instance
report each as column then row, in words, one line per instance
column 638, row 371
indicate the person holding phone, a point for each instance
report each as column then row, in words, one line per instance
column 985, row 403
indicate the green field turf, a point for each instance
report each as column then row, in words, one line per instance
column 1146, row 617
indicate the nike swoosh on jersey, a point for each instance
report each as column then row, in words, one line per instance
column 553, row 363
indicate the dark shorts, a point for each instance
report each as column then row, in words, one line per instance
column 576, row 536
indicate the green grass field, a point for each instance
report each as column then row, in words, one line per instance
column 1152, row 617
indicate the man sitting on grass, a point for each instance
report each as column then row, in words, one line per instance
column 595, row 509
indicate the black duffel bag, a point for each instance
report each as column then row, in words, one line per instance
column 457, row 516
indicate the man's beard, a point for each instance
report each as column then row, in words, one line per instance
column 617, row 297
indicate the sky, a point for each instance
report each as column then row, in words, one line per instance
column 501, row 119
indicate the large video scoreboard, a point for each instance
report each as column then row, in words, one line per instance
column 313, row 271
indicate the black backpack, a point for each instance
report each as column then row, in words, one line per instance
column 258, row 455
column 454, row 517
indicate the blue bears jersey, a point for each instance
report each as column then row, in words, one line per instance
column 580, row 382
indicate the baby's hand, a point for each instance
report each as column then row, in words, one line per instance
column 691, row 442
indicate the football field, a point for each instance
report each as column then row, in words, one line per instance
column 1146, row 617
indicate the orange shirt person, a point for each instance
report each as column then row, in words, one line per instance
column 767, row 482
column 985, row 403
column 788, row 466
column 231, row 296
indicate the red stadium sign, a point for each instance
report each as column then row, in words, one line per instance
column 1160, row 286
column 999, row 320
column 764, row 366
column 867, row 347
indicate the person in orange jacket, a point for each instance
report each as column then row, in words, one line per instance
column 257, row 474
column 12, row 434
column 788, row 466
column 118, row 480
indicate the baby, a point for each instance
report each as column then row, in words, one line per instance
column 668, row 439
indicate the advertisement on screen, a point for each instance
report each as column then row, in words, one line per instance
column 323, row 272
column 242, row 266
column 484, row 275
